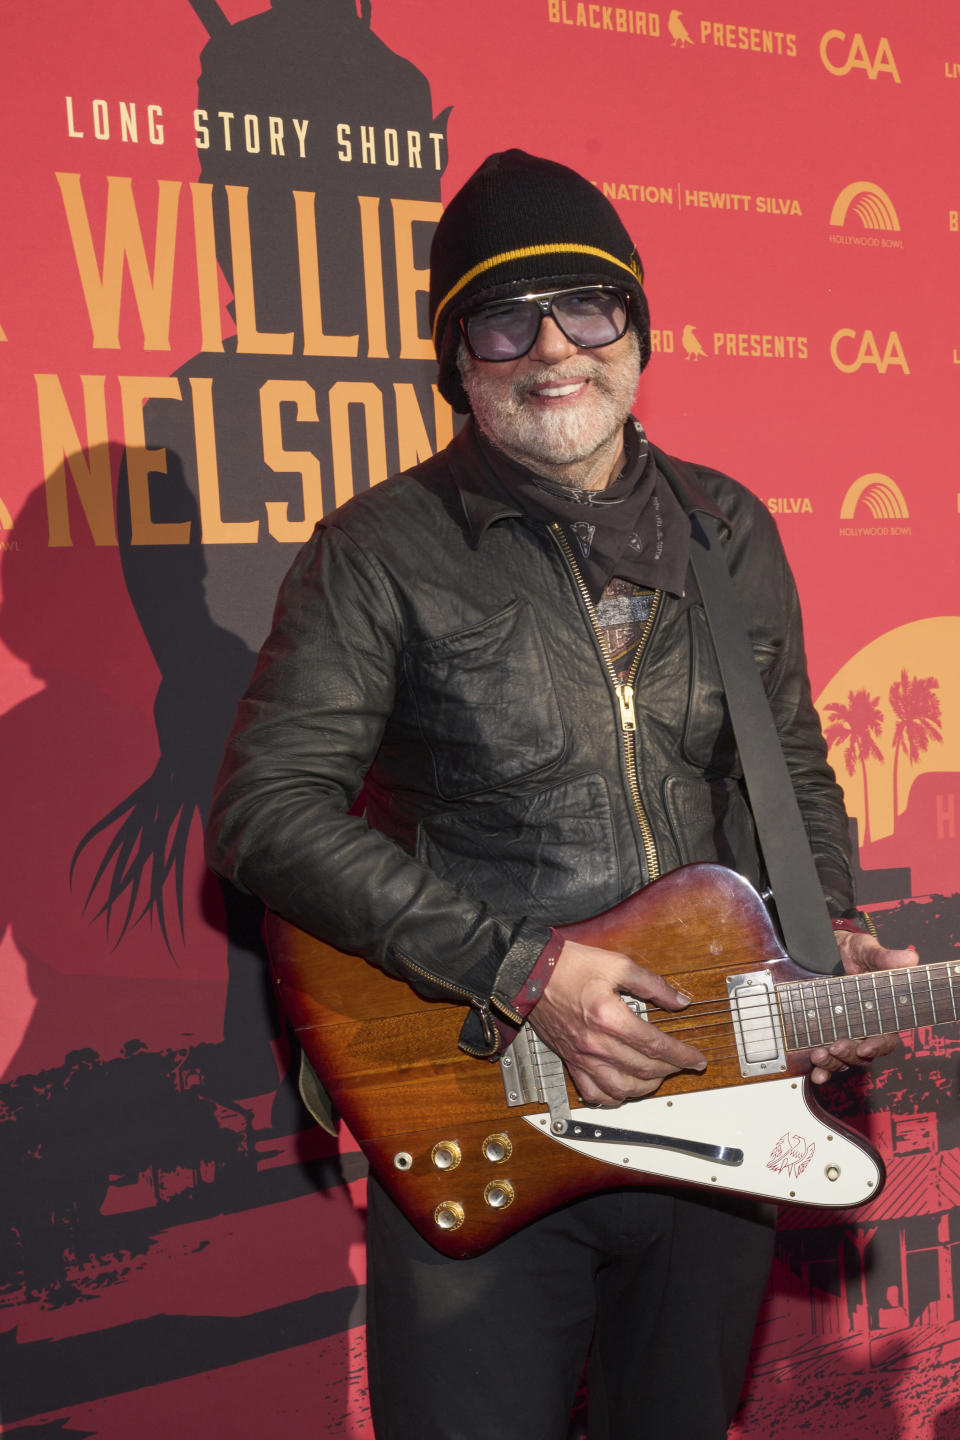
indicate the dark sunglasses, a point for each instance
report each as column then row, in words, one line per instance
column 591, row 316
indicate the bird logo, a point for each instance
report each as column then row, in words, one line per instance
column 691, row 344
column 792, row 1153
column 679, row 31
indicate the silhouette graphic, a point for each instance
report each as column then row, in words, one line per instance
column 126, row 1121
column 345, row 419
column 858, row 722
column 917, row 710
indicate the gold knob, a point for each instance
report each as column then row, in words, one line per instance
column 499, row 1194
column 449, row 1215
column 446, row 1155
column 497, row 1148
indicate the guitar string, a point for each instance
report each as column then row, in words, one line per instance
column 715, row 1010
column 719, row 1018
column 663, row 1018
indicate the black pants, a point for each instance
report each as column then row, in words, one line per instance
column 661, row 1289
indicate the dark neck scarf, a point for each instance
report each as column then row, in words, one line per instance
column 634, row 529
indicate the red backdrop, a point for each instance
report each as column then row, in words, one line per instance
column 212, row 328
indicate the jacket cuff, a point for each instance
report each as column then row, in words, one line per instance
column 479, row 1035
column 531, row 990
column 856, row 921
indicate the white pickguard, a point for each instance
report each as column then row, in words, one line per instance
column 789, row 1152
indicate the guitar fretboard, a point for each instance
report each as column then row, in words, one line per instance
column 818, row 1011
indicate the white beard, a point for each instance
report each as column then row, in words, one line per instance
column 557, row 442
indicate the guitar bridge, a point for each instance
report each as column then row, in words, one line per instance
column 756, row 1023
column 533, row 1074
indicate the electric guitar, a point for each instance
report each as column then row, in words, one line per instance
column 472, row 1150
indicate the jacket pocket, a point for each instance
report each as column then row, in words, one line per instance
column 485, row 703
column 550, row 856
column 708, row 740
column 711, row 820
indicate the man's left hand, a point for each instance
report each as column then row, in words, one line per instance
column 859, row 952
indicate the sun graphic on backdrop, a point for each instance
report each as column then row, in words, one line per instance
column 893, row 712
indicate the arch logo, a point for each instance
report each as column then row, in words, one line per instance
column 869, row 202
column 874, row 506
column 879, row 494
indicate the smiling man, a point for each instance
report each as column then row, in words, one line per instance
column 505, row 652
column 559, row 408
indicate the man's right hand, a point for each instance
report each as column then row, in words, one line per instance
column 611, row 1055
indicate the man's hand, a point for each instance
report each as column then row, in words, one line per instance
column 859, row 952
column 611, row 1055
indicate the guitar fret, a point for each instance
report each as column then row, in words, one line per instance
column 795, row 1017
column 933, row 998
column 857, row 1026
column 811, row 1010
column 905, row 1000
column 826, row 1006
column 847, row 1008
column 941, row 992
column 796, row 1005
column 878, row 1005
column 930, row 995
column 887, row 1007
column 868, row 1007
column 863, row 1019
column 787, row 1015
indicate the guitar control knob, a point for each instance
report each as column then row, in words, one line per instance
column 446, row 1155
column 499, row 1194
column 497, row 1148
column 449, row 1215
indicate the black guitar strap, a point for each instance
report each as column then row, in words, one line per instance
column 801, row 909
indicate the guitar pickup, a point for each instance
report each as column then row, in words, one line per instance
column 756, row 1023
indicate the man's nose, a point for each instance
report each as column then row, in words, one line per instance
column 551, row 345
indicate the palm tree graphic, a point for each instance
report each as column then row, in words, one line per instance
column 917, row 710
column 857, row 722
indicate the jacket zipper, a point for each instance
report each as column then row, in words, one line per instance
column 475, row 1001
column 624, row 691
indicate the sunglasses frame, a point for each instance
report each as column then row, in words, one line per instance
column 544, row 300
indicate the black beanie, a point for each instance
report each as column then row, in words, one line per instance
column 521, row 223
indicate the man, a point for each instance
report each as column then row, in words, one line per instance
column 505, row 650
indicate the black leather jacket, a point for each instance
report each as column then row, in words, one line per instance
column 435, row 650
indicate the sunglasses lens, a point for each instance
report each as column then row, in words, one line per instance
column 505, row 331
column 591, row 317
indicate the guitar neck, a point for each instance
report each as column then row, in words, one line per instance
column 881, row 1002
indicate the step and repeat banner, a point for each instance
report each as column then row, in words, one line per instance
column 213, row 330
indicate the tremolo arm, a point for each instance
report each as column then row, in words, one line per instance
column 533, row 1074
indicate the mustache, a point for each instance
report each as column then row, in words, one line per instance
column 579, row 368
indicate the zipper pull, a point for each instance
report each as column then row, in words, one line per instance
column 628, row 718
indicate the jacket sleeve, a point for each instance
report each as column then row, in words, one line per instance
column 282, row 825
column 762, row 574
